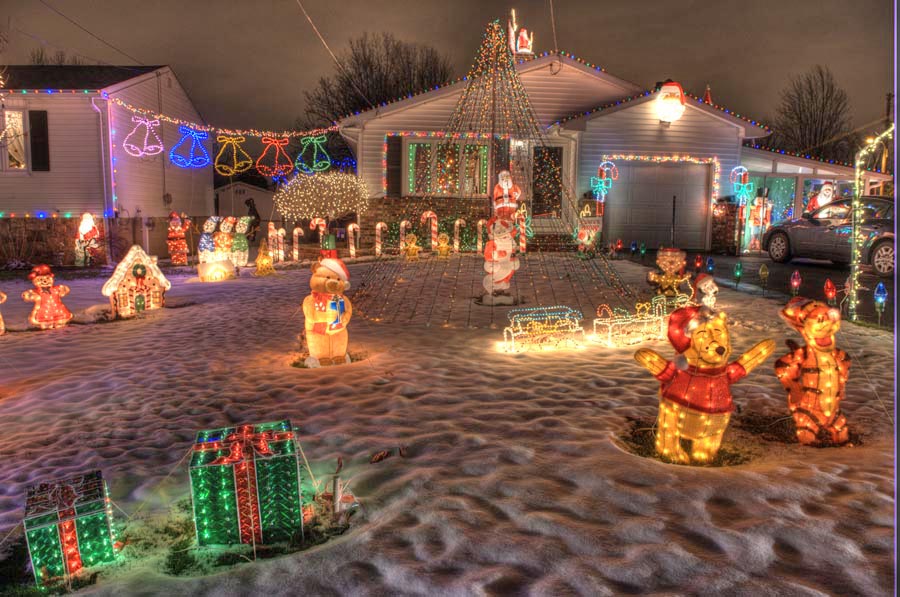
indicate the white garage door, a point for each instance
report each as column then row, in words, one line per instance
column 639, row 205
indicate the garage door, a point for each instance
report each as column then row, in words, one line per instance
column 639, row 205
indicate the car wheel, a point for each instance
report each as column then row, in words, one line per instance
column 780, row 248
column 882, row 259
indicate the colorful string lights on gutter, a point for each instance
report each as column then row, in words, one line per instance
column 805, row 156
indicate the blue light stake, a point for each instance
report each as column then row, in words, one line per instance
column 710, row 265
column 633, row 247
column 881, row 295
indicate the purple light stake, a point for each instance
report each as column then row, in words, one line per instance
column 796, row 281
column 881, row 295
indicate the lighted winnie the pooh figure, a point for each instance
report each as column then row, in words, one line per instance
column 816, row 373
column 669, row 279
column 695, row 395
column 327, row 312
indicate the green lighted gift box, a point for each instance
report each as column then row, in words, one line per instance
column 245, row 484
column 68, row 525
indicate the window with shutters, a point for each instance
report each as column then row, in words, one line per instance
column 39, row 137
column 438, row 168
column 13, row 141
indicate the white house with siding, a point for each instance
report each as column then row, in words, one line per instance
column 62, row 153
column 588, row 116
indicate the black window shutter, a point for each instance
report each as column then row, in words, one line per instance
column 40, row 140
column 394, row 165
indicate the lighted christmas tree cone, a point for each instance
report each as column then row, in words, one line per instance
column 327, row 313
column 695, row 388
column 815, row 374
column 49, row 311
column 246, row 485
column 264, row 265
column 68, row 527
column 670, row 277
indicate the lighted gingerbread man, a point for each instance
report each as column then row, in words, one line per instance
column 443, row 247
column 815, row 374
column 669, row 279
column 49, row 311
column 695, row 389
column 410, row 247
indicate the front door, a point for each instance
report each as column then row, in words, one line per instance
column 547, row 182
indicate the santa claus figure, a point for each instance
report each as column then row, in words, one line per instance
column 506, row 196
column 87, row 243
column 705, row 291
column 500, row 262
column 822, row 198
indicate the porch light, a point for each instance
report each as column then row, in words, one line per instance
column 670, row 103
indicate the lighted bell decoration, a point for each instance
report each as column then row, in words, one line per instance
column 710, row 265
column 764, row 275
column 830, row 291
column 670, row 102
column 796, row 281
column 815, row 374
column 738, row 273
column 698, row 263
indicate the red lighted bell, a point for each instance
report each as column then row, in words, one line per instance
column 830, row 291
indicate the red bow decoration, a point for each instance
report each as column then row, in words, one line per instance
column 282, row 164
column 244, row 442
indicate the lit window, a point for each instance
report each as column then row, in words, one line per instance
column 446, row 169
column 13, row 140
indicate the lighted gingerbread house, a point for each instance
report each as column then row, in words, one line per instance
column 137, row 285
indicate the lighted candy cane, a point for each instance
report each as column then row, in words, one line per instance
column 147, row 146
column 281, row 161
column 273, row 241
column 320, row 224
column 379, row 228
column 607, row 172
column 456, row 226
column 298, row 232
column 352, row 231
column 404, row 226
column 740, row 180
column 280, row 238
column 520, row 220
column 430, row 215
column 479, row 235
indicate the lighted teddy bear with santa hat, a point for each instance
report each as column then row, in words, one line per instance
column 327, row 312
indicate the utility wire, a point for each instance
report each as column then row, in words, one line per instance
column 97, row 37
column 44, row 42
column 333, row 57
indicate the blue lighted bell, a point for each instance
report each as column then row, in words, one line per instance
column 881, row 295
column 710, row 265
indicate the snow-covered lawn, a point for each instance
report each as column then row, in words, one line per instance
column 516, row 478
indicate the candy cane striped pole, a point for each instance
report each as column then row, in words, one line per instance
column 430, row 215
column 522, row 239
column 379, row 228
column 456, row 226
column 280, row 238
column 404, row 226
column 320, row 224
column 295, row 247
column 479, row 233
column 352, row 238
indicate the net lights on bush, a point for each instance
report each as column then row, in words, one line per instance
column 331, row 194
column 677, row 159
column 543, row 328
column 68, row 527
column 246, row 485
column 857, row 234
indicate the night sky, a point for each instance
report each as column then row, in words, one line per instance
column 246, row 64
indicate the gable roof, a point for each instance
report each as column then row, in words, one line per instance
column 69, row 76
column 751, row 128
column 523, row 65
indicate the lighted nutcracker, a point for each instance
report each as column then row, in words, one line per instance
column 176, row 242
column 49, row 311
column 815, row 374
column 506, row 196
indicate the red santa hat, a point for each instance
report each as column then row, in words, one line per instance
column 681, row 323
column 337, row 266
column 702, row 280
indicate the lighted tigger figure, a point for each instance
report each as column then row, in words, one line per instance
column 815, row 374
